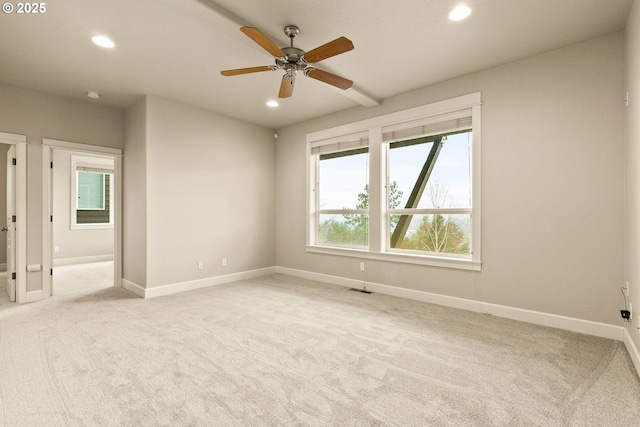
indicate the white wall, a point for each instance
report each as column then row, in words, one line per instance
column 552, row 187
column 38, row 116
column 632, row 167
column 79, row 243
column 3, row 202
column 209, row 187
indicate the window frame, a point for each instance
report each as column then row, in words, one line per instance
column 379, row 214
column 93, row 164
column 412, row 212
column 340, row 211
column 341, row 143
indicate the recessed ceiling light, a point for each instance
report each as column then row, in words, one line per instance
column 94, row 95
column 272, row 103
column 459, row 13
column 103, row 41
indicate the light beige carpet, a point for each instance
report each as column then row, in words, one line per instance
column 280, row 351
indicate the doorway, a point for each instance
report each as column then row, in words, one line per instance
column 7, row 235
column 9, row 227
column 13, row 207
column 81, row 222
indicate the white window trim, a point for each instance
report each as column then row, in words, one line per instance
column 92, row 163
column 372, row 129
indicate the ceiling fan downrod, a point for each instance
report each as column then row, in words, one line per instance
column 291, row 31
column 294, row 60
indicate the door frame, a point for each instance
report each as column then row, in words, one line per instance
column 20, row 188
column 48, row 145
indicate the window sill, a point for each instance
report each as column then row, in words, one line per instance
column 91, row 227
column 433, row 261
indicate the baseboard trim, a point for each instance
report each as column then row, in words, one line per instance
column 133, row 287
column 82, row 259
column 34, row 296
column 587, row 327
column 632, row 349
column 175, row 288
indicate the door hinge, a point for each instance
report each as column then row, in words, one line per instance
column 51, row 218
column 51, row 272
column 13, row 276
column 13, row 218
column 14, row 161
column 51, row 165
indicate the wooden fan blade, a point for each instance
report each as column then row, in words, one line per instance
column 286, row 87
column 336, row 47
column 257, row 36
column 331, row 79
column 238, row 71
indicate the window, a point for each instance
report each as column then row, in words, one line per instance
column 91, row 183
column 406, row 189
column 341, row 173
column 342, row 176
column 429, row 189
column 93, row 197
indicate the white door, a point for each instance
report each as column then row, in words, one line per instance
column 11, row 226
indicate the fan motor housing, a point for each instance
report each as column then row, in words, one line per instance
column 293, row 54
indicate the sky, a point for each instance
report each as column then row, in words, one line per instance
column 343, row 178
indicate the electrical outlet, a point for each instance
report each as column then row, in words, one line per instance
column 224, row 262
column 56, row 248
column 362, row 266
column 200, row 265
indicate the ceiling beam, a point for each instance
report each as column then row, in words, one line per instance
column 360, row 97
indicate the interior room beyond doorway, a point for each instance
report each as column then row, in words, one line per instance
column 83, row 221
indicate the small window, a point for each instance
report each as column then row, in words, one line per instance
column 91, row 185
column 93, row 194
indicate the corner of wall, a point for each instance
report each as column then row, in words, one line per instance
column 134, row 212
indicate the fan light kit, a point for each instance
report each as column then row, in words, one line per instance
column 291, row 60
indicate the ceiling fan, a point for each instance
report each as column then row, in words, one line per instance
column 291, row 60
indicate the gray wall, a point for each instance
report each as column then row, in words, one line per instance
column 134, row 195
column 38, row 116
column 632, row 166
column 552, row 187
column 208, row 192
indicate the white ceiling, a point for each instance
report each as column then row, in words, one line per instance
column 176, row 49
